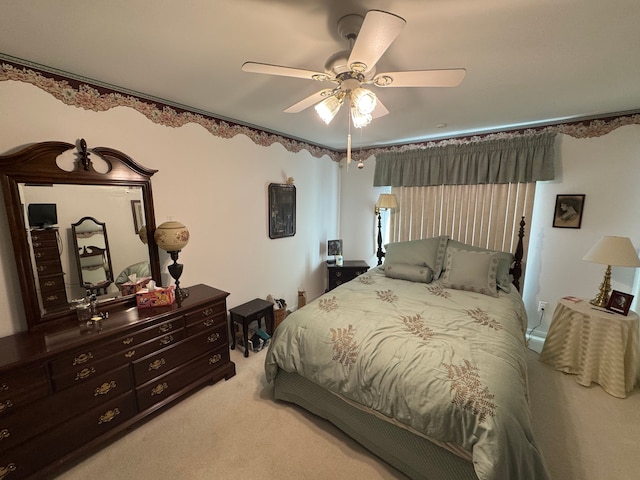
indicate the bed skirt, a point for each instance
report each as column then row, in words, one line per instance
column 415, row 456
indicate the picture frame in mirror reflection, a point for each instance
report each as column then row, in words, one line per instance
column 138, row 215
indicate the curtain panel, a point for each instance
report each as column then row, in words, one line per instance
column 525, row 159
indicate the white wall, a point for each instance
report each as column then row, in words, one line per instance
column 606, row 169
column 217, row 187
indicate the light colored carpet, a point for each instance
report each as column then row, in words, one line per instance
column 234, row 430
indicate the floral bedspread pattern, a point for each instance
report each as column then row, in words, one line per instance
column 446, row 363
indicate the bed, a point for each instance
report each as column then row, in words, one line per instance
column 421, row 360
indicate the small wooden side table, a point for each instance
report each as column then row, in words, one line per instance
column 595, row 344
column 246, row 313
column 350, row 269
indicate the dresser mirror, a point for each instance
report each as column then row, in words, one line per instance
column 53, row 210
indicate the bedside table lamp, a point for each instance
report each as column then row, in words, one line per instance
column 616, row 251
column 173, row 237
column 386, row 201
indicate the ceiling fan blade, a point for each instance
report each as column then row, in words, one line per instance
column 380, row 110
column 421, row 78
column 377, row 33
column 254, row 67
column 309, row 101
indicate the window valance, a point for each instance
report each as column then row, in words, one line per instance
column 523, row 159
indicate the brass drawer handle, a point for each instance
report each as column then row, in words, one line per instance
column 36, row 244
column 167, row 327
column 158, row 389
column 38, row 255
column 127, row 341
column 85, row 373
column 49, row 283
column 207, row 312
column 5, row 406
column 108, row 416
column 83, row 358
column 213, row 338
column 166, row 340
column 156, row 364
column 51, row 298
column 104, row 388
column 215, row 359
column 4, row 471
column 4, row 387
column 338, row 274
column 42, row 268
column 130, row 353
column 208, row 322
column 4, row 433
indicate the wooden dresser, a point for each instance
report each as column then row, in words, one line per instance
column 49, row 268
column 64, row 393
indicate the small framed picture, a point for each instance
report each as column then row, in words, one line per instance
column 619, row 302
column 568, row 211
column 334, row 247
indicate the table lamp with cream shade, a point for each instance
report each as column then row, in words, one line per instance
column 611, row 251
column 172, row 237
column 386, row 201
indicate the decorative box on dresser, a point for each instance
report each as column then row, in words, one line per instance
column 66, row 391
column 350, row 269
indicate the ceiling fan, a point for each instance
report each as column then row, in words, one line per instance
column 352, row 69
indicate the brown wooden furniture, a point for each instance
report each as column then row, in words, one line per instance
column 339, row 274
column 246, row 313
column 49, row 268
column 37, row 165
column 65, row 392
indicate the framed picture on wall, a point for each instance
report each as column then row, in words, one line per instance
column 619, row 302
column 282, row 210
column 568, row 211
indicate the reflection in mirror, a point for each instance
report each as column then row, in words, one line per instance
column 92, row 255
column 112, row 205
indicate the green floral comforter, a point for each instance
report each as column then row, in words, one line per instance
column 447, row 363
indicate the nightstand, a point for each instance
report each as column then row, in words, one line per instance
column 339, row 274
column 595, row 344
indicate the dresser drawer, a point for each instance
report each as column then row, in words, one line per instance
column 48, row 412
column 48, row 447
column 54, row 283
column 162, row 388
column 50, row 267
column 207, row 317
column 99, row 351
column 20, row 387
column 147, row 348
column 46, row 254
column 44, row 238
column 86, row 372
column 171, row 357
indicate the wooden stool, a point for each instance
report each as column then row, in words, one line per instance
column 246, row 313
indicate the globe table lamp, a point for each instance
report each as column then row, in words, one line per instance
column 173, row 237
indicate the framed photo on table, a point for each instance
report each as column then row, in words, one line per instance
column 619, row 302
column 568, row 211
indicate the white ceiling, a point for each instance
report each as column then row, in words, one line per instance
column 528, row 61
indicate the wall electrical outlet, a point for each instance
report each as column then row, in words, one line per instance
column 542, row 306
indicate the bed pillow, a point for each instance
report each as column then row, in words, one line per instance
column 504, row 279
column 428, row 252
column 474, row 271
column 406, row 271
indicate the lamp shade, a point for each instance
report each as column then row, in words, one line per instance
column 171, row 236
column 616, row 251
column 387, row 200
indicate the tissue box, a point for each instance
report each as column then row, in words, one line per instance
column 129, row 288
column 156, row 298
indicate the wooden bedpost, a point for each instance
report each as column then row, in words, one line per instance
column 516, row 271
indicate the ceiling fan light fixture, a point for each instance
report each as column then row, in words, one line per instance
column 360, row 119
column 328, row 108
column 363, row 100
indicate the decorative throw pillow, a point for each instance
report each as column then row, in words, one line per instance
column 428, row 252
column 504, row 265
column 406, row 271
column 472, row 271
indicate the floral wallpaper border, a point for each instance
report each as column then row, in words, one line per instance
column 99, row 98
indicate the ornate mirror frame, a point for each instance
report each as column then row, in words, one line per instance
column 37, row 163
